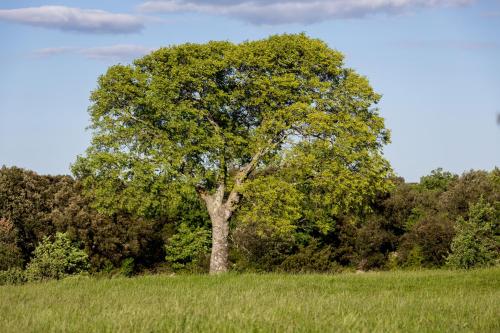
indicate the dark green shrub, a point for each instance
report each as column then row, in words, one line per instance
column 373, row 244
column 12, row 276
column 26, row 200
column 428, row 243
column 10, row 253
column 107, row 238
column 256, row 247
column 434, row 236
column 56, row 259
column 310, row 258
column 468, row 189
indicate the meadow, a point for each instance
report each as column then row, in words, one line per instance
column 411, row 301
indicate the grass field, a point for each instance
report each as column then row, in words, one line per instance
column 425, row 301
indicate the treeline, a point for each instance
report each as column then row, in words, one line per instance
column 445, row 219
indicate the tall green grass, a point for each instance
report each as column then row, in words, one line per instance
column 424, row 301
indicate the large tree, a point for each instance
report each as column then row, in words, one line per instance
column 211, row 118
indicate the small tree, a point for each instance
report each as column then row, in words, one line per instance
column 56, row 259
column 438, row 180
column 187, row 247
column 476, row 243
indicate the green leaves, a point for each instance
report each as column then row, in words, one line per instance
column 187, row 247
column 56, row 259
column 284, row 108
column 476, row 243
column 271, row 203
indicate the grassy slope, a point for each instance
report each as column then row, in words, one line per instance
column 427, row 301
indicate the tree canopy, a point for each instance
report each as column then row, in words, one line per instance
column 282, row 114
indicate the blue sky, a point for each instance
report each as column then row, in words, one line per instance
column 436, row 63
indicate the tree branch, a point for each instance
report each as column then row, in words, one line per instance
column 213, row 123
column 242, row 175
column 212, row 201
column 153, row 129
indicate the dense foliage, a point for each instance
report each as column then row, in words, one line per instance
column 410, row 226
column 26, row 202
column 476, row 242
column 10, row 253
column 13, row 275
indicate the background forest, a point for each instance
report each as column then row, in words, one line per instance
column 445, row 219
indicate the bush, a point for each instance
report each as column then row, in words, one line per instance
column 257, row 247
column 56, row 259
column 26, row 200
column 415, row 258
column 476, row 241
column 428, row 242
column 310, row 258
column 186, row 249
column 12, row 276
column 373, row 244
column 107, row 238
column 128, row 267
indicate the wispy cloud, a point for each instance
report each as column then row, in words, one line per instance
column 74, row 19
column 292, row 11
column 113, row 52
column 52, row 51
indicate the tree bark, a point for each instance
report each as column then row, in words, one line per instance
column 219, row 216
column 220, row 212
column 220, row 247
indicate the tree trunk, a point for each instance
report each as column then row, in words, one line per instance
column 219, row 216
column 220, row 247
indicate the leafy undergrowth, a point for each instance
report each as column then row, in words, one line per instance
column 421, row 301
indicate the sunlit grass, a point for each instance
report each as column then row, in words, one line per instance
column 425, row 301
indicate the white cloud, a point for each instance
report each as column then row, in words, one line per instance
column 113, row 52
column 292, row 11
column 51, row 51
column 74, row 19
column 118, row 52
